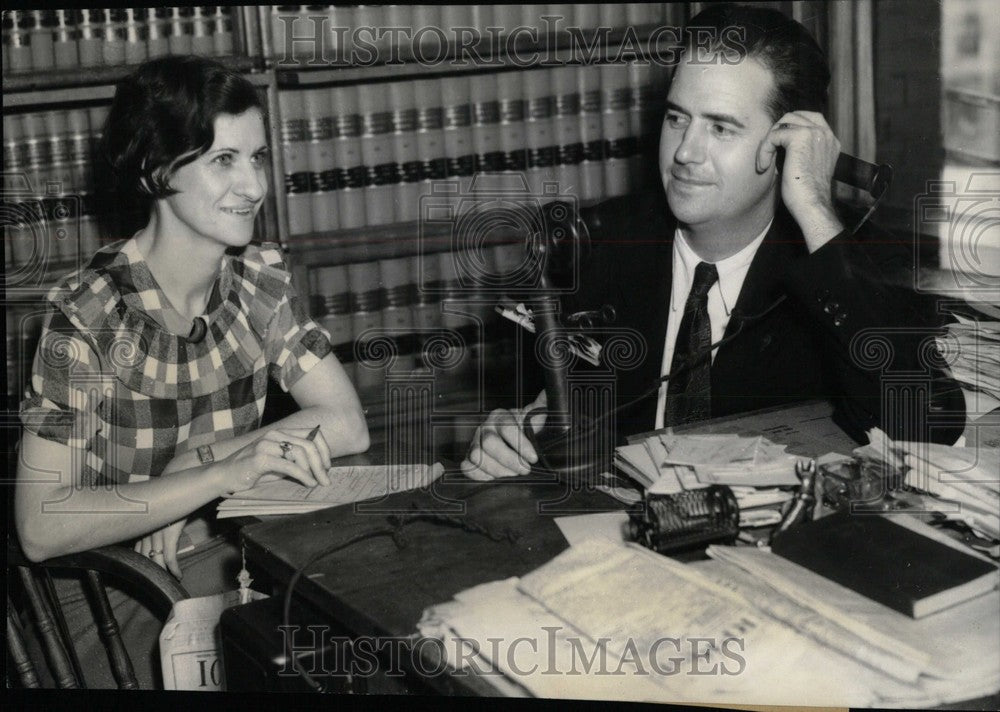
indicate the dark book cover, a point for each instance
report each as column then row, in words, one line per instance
column 887, row 562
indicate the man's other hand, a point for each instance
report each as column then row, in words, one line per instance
column 811, row 152
column 500, row 448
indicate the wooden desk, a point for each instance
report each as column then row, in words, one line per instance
column 377, row 588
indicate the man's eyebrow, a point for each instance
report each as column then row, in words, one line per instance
column 711, row 116
column 725, row 119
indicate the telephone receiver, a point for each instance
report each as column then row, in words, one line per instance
column 872, row 178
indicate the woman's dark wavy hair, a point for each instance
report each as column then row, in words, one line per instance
column 800, row 69
column 161, row 119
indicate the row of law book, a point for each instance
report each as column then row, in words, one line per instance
column 370, row 154
column 42, row 40
column 400, row 314
column 370, row 34
column 49, row 183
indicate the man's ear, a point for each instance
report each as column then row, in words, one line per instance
column 767, row 154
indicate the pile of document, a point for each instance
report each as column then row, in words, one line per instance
column 753, row 467
column 964, row 481
column 347, row 484
column 972, row 350
column 746, row 627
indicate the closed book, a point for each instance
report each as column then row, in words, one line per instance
column 295, row 152
column 888, row 562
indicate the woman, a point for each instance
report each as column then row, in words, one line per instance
column 150, row 376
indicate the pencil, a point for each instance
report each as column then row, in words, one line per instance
column 313, row 433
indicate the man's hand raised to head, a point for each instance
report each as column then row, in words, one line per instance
column 811, row 152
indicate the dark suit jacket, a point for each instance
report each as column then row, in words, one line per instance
column 843, row 331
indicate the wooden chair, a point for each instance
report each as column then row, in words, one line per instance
column 157, row 587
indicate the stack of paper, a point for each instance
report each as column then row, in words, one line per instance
column 347, row 485
column 692, row 461
column 965, row 481
column 717, row 632
column 972, row 350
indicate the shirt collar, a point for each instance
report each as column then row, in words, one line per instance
column 732, row 270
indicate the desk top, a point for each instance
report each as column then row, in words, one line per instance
column 492, row 531
column 376, row 588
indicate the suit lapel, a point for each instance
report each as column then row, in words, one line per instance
column 763, row 283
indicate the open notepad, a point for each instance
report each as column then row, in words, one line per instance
column 348, row 484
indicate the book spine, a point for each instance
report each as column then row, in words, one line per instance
column 366, row 323
column 613, row 15
column 430, row 134
column 350, row 173
column 425, row 20
column 60, row 206
column 366, row 20
column 180, row 31
column 458, row 133
column 641, row 15
column 91, row 38
column 382, row 173
column 406, row 149
column 539, row 133
column 136, row 44
column 566, row 123
column 425, row 272
column 507, row 17
column 67, row 53
column 223, row 36
column 397, row 316
column 531, row 16
column 458, row 356
column 513, row 140
column 37, row 149
column 295, row 153
column 588, row 81
column 17, row 23
column 587, row 18
column 42, row 42
column 486, row 125
column 340, row 32
column 482, row 18
column 330, row 285
column 202, row 42
column 641, row 103
column 14, row 161
column 618, row 139
column 320, row 154
column 157, row 32
column 113, row 46
column 78, row 123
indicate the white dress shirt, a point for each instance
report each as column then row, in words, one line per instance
column 721, row 297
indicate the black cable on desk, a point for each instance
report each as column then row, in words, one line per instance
column 397, row 522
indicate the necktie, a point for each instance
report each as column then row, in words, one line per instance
column 689, row 391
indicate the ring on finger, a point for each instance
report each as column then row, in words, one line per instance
column 155, row 552
column 286, row 448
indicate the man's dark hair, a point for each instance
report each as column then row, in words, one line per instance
column 162, row 118
column 784, row 46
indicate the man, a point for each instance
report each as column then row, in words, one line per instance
column 746, row 247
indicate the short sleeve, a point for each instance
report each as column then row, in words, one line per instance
column 62, row 396
column 294, row 343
